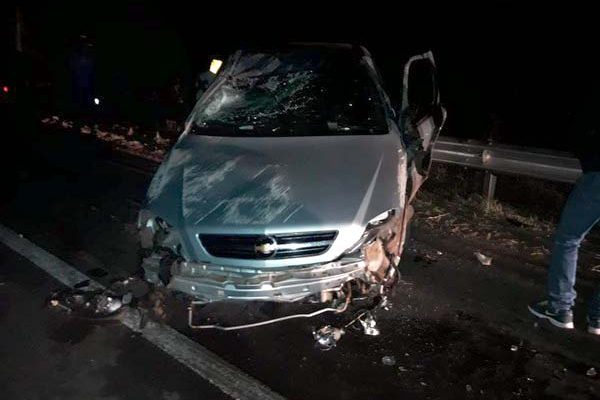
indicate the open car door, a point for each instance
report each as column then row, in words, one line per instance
column 421, row 117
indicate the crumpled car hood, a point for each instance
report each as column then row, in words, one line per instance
column 261, row 184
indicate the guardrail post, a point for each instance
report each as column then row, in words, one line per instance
column 489, row 187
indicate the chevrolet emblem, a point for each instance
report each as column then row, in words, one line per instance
column 265, row 246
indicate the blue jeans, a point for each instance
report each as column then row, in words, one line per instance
column 580, row 214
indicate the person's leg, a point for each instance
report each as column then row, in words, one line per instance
column 579, row 215
column 594, row 313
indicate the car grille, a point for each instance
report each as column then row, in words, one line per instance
column 287, row 245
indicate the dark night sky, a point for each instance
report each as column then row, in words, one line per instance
column 514, row 69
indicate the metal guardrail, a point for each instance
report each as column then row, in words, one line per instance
column 537, row 163
column 496, row 158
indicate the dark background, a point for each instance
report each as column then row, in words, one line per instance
column 508, row 71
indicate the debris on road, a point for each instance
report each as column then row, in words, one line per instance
column 514, row 348
column 327, row 337
column 437, row 217
column 385, row 303
column 426, row 258
column 483, row 259
column 369, row 324
column 99, row 303
column 388, row 360
column 86, row 304
column 591, row 372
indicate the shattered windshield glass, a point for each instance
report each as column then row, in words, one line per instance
column 300, row 91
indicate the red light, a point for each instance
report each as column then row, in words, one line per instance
column 5, row 89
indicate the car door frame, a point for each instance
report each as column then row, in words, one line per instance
column 420, row 131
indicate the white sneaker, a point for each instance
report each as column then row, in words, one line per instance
column 594, row 326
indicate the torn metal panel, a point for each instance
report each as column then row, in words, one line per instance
column 421, row 116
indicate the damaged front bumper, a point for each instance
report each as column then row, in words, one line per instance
column 214, row 283
column 370, row 265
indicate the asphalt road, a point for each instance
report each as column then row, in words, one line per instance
column 47, row 354
column 456, row 329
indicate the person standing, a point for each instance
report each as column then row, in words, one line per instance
column 580, row 213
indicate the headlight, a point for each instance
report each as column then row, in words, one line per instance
column 370, row 232
column 381, row 218
column 156, row 224
column 156, row 232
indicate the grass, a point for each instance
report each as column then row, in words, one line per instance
column 521, row 219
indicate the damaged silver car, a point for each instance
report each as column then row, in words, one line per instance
column 293, row 178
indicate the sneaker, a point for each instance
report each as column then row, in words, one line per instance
column 561, row 319
column 594, row 326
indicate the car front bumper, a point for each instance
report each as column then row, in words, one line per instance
column 209, row 282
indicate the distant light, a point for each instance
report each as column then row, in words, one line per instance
column 215, row 65
column 5, row 89
column 96, row 101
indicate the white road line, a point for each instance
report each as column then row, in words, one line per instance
column 60, row 270
column 202, row 361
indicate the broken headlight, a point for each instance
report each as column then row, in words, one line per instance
column 371, row 231
column 155, row 231
column 156, row 224
column 381, row 219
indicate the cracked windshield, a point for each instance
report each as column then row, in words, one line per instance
column 293, row 92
